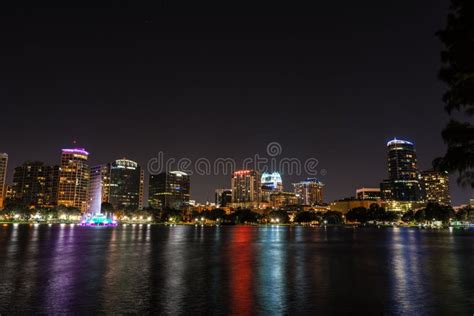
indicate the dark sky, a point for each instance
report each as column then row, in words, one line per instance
column 333, row 81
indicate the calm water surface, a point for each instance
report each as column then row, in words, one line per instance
column 235, row 270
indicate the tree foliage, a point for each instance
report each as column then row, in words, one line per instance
column 464, row 214
column 333, row 217
column 458, row 73
column 171, row 215
column 281, row 215
column 242, row 216
column 409, row 216
column 306, row 217
column 373, row 213
column 438, row 212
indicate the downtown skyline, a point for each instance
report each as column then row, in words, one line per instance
column 144, row 82
column 233, row 158
column 287, row 185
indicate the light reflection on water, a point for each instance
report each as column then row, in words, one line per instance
column 234, row 270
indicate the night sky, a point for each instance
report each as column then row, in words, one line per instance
column 333, row 81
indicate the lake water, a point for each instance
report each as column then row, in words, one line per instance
column 235, row 270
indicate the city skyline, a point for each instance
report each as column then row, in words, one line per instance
column 144, row 82
column 233, row 158
column 282, row 185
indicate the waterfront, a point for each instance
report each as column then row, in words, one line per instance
column 236, row 269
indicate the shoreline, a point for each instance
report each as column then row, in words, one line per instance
column 348, row 226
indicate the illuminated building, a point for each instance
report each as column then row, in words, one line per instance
column 141, row 201
column 35, row 184
column 403, row 206
column 435, row 187
column 309, row 191
column 271, row 183
column 281, row 199
column 126, row 185
column 346, row 205
column 386, row 189
column 119, row 183
column 368, row 194
column 74, row 177
column 223, row 197
column 9, row 193
column 169, row 190
column 403, row 178
column 3, row 176
column 246, row 188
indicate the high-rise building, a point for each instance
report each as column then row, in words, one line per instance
column 119, row 183
column 9, row 193
column 3, row 177
column 309, row 191
column 74, row 178
column 246, row 188
column 223, row 197
column 403, row 177
column 271, row 183
column 435, row 187
column 35, row 184
column 386, row 189
column 141, row 194
column 169, row 190
column 126, row 185
column 368, row 194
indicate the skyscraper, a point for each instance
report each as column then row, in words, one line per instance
column 246, row 188
column 141, row 201
column 74, row 178
column 223, row 197
column 3, row 176
column 271, row 183
column 435, row 187
column 119, row 183
column 35, row 184
column 126, row 185
column 403, row 177
column 169, row 190
column 309, row 191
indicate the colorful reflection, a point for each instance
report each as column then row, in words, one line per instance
column 241, row 257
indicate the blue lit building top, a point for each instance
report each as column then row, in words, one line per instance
column 396, row 141
column 272, row 181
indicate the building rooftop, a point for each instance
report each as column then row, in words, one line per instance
column 81, row 151
column 396, row 141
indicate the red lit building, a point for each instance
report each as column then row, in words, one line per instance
column 246, row 188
